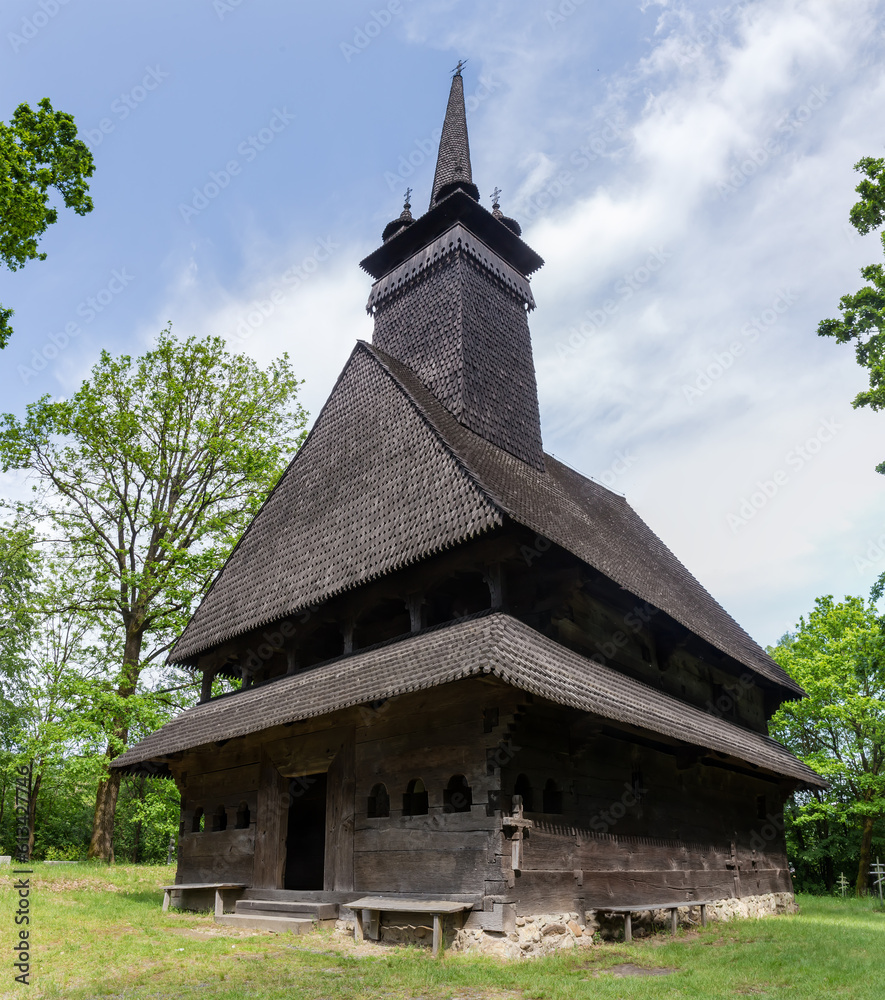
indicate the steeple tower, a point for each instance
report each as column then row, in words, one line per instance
column 453, row 169
column 451, row 300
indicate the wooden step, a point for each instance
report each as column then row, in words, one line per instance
column 300, row 895
column 288, row 908
column 257, row 922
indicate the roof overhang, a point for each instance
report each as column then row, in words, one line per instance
column 457, row 207
column 489, row 644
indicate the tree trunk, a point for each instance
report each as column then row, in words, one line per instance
column 33, row 792
column 866, row 851
column 101, row 846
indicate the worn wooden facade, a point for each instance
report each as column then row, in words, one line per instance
column 467, row 672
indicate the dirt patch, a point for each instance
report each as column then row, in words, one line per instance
column 629, row 969
column 195, row 934
column 76, row 884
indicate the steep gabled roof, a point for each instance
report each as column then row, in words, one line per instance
column 596, row 525
column 388, row 476
column 492, row 644
column 373, row 488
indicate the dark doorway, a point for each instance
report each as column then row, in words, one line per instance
column 306, row 836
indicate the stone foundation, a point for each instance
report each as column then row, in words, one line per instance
column 547, row 933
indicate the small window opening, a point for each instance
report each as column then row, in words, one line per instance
column 415, row 799
column 243, row 816
column 457, row 796
column 523, row 787
column 379, row 802
column 219, row 820
column 552, row 797
column 198, row 821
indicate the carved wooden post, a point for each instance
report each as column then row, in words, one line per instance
column 271, row 827
column 517, row 824
column 417, row 617
column 206, row 688
column 494, row 579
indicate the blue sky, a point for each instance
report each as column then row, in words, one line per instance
column 684, row 168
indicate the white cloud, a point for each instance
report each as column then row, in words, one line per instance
column 714, row 197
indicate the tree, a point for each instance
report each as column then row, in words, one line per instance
column 150, row 472
column 863, row 313
column 18, row 558
column 837, row 654
column 39, row 150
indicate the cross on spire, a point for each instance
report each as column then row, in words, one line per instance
column 495, row 195
column 407, row 202
column 461, row 64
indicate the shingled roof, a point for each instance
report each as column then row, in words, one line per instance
column 388, row 476
column 492, row 644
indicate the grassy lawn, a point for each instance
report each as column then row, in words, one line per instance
column 99, row 932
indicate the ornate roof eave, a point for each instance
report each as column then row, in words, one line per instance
column 457, row 207
column 456, row 238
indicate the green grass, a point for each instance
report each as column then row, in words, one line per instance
column 99, row 932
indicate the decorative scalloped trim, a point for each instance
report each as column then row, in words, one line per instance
column 453, row 240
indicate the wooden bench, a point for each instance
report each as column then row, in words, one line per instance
column 368, row 909
column 219, row 888
column 628, row 912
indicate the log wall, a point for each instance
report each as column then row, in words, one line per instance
column 716, row 832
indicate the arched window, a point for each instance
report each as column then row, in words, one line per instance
column 552, row 797
column 379, row 802
column 219, row 820
column 415, row 799
column 242, row 816
column 523, row 787
column 457, row 797
column 197, row 824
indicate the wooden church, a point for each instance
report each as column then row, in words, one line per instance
column 470, row 681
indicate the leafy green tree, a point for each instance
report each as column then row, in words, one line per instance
column 39, row 150
column 150, row 472
column 863, row 312
column 18, row 558
column 837, row 654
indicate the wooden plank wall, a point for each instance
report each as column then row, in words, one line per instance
column 431, row 735
column 223, row 855
column 709, row 839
